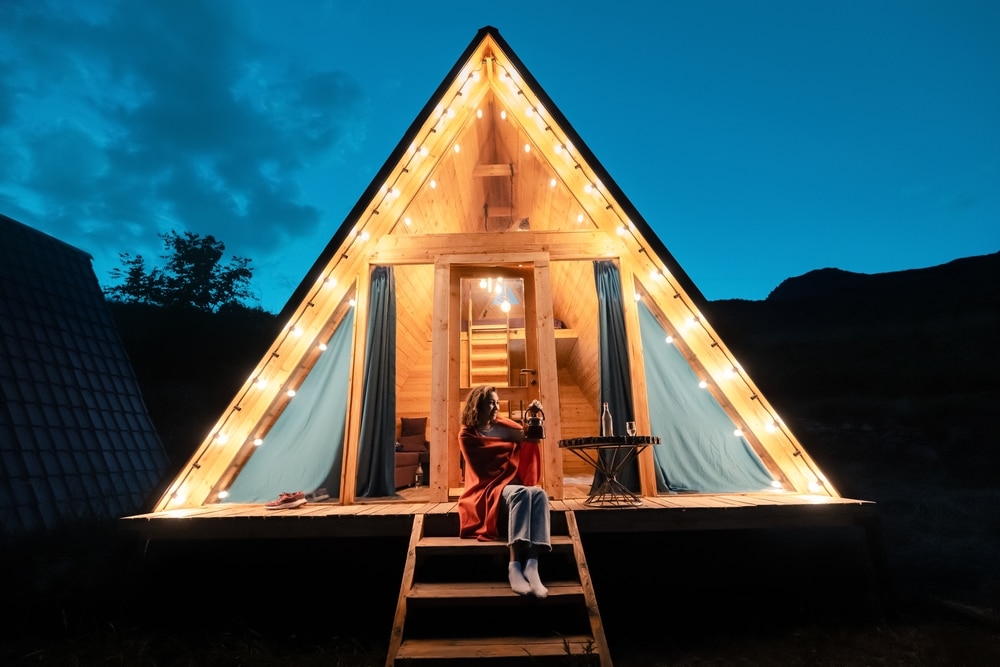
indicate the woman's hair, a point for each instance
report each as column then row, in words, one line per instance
column 476, row 398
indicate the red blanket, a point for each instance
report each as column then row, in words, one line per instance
column 490, row 465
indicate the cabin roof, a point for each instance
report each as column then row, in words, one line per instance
column 76, row 441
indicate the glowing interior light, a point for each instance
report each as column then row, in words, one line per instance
column 529, row 112
column 815, row 487
column 353, row 302
column 423, row 151
column 223, row 495
column 221, row 438
column 621, row 230
column 558, row 149
column 479, row 113
column 638, row 297
column 776, row 484
column 450, row 112
column 527, row 148
column 260, row 382
column 257, row 442
column 290, row 393
column 434, row 184
column 655, row 275
column 458, row 148
column 738, row 433
column 670, row 340
column 771, row 427
column 503, row 114
column 568, row 146
column 579, row 217
column 407, row 221
column 731, row 372
column 364, row 236
column 296, row 331
column 394, row 192
column 703, row 384
column 331, row 282
column 587, row 188
column 505, row 306
column 482, row 283
column 552, row 182
column 692, row 322
column 322, row 347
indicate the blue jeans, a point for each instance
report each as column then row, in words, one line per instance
column 527, row 515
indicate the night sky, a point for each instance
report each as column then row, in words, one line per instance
column 760, row 140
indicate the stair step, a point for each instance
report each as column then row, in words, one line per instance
column 496, row 647
column 428, row 545
column 487, row 590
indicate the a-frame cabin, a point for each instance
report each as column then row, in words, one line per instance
column 401, row 314
column 491, row 182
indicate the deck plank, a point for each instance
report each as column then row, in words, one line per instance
column 657, row 513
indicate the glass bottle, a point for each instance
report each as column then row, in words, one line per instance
column 606, row 429
column 419, row 481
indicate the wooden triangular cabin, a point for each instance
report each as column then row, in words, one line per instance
column 493, row 248
column 491, row 187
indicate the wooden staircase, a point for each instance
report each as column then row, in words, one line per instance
column 487, row 355
column 456, row 607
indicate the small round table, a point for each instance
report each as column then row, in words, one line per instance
column 617, row 451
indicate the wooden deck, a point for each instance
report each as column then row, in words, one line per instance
column 385, row 517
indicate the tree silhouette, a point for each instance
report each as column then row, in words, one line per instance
column 193, row 276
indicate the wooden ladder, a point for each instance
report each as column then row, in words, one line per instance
column 456, row 606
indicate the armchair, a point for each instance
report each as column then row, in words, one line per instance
column 412, row 449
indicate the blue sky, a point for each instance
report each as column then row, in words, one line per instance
column 761, row 140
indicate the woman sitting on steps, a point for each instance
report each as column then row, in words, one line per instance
column 501, row 477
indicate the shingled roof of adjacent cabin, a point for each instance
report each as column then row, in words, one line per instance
column 76, row 442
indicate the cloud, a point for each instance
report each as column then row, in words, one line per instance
column 124, row 119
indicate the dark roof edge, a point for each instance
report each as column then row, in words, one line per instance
column 32, row 230
column 628, row 208
column 397, row 154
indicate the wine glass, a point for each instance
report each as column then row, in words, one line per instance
column 630, row 429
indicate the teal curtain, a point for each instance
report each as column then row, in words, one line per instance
column 699, row 450
column 377, row 444
column 616, row 373
column 305, row 446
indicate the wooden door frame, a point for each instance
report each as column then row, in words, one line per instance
column 446, row 382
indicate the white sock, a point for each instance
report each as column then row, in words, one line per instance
column 518, row 583
column 534, row 581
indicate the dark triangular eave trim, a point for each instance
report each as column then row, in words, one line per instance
column 619, row 195
column 316, row 272
column 656, row 245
